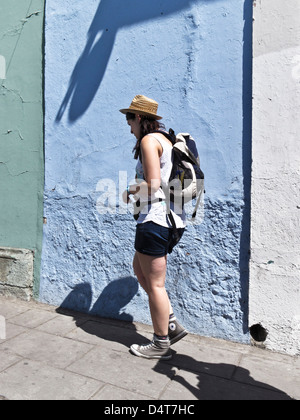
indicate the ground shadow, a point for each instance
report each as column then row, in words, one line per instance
column 204, row 381
column 215, row 380
column 110, row 17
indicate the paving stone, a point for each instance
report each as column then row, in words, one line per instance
column 284, row 377
column 140, row 375
column 31, row 380
column 112, row 337
column 207, row 359
column 7, row 359
column 39, row 346
column 12, row 330
column 49, row 355
column 32, row 318
column 61, row 325
column 12, row 307
column 191, row 386
column 113, row 393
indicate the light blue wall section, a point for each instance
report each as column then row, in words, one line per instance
column 194, row 58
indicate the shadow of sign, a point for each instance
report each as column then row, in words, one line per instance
column 110, row 17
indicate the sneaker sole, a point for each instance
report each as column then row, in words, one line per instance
column 178, row 337
column 138, row 354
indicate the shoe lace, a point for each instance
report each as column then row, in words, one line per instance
column 147, row 346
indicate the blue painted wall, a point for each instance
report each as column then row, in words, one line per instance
column 194, row 58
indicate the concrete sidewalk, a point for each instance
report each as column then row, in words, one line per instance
column 54, row 354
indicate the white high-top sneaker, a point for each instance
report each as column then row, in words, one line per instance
column 157, row 349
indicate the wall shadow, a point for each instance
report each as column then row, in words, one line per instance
column 246, row 162
column 110, row 17
column 115, row 296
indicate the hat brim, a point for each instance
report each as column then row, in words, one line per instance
column 137, row 111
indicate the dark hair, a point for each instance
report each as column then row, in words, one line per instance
column 148, row 125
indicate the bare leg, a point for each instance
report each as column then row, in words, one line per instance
column 141, row 279
column 151, row 273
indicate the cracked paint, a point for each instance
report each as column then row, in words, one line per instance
column 21, row 136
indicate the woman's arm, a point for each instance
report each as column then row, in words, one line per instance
column 151, row 152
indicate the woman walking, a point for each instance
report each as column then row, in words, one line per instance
column 154, row 233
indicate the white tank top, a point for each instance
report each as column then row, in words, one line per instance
column 157, row 211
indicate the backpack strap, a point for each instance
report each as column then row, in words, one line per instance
column 169, row 135
column 197, row 204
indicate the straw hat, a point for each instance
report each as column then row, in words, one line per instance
column 143, row 106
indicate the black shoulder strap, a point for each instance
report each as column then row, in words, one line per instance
column 169, row 135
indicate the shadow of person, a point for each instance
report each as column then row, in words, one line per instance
column 204, row 381
column 214, row 381
column 110, row 17
column 107, row 319
column 79, row 299
column 114, row 297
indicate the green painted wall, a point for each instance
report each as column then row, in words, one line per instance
column 21, row 127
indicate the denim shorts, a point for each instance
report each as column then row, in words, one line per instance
column 155, row 240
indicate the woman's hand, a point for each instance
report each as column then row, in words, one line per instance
column 126, row 197
column 132, row 190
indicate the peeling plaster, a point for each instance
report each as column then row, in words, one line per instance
column 17, row 29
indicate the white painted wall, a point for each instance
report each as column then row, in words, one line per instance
column 275, row 231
